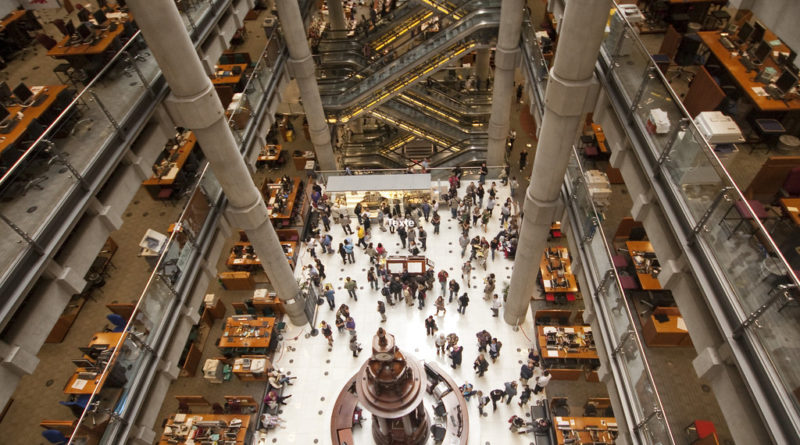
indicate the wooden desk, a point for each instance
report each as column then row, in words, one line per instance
column 30, row 114
column 585, row 353
column 78, row 386
column 104, row 39
column 549, row 278
column 669, row 333
column 270, row 193
column 269, row 154
column 646, row 279
column 582, row 428
column 224, row 76
column 245, row 373
column 256, row 333
column 171, row 170
column 265, row 300
column 791, row 206
column 744, row 79
column 246, row 262
column 601, row 138
column 11, row 18
column 177, row 431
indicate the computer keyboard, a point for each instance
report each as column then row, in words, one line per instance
column 773, row 92
column 726, row 42
column 748, row 63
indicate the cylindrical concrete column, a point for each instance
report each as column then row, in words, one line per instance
column 568, row 89
column 336, row 15
column 194, row 104
column 302, row 67
column 505, row 61
column 482, row 66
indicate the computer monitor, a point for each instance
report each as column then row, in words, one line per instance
column 762, row 51
column 100, row 16
column 70, row 28
column 84, row 30
column 790, row 58
column 83, row 363
column 22, row 92
column 786, row 81
column 758, row 32
column 744, row 32
column 84, row 14
column 3, row 114
column 5, row 94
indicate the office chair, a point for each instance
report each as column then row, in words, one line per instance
column 55, row 436
column 791, row 185
column 62, row 27
column 118, row 321
column 559, row 406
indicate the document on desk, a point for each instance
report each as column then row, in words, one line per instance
column 792, row 209
column 547, row 283
column 569, row 330
column 760, row 91
column 552, row 353
column 549, row 330
column 79, row 384
column 173, row 172
column 681, row 324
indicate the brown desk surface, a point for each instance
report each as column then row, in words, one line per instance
column 232, row 79
column 234, row 331
column 240, row 437
column 269, row 196
column 184, row 150
column 12, row 17
column 579, row 424
column 572, row 285
column 110, row 339
column 265, row 156
column 234, row 262
column 646, row 280
column 29, row 114
column 601, row 138
column 794, row 204
column 65, row 51
column 583, row 351
column 745, row 79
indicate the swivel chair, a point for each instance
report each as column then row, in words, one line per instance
column 55, row 436
column 118, row 321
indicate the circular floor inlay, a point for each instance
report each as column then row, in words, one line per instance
column 49, row 382
column 129, row 214
column 31, row 209
column 322, row 399
column 145, row 213
column 705, row 388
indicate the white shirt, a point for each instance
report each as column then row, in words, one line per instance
column 543, row 380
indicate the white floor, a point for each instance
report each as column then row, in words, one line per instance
column 322, row 374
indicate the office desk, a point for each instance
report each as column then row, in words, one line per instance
column 792, row 208
column 548, row 278
column 180, row 426
column 92, row 54
column 668, row 333
column 224, row 76
column 30, row 114
column 270, row 193
column 78, row 386
column 269, row 154
column 595, row 430
column 601, row 138
column 249, row 262
column 12, row 28
column 743, row 78
column 255, row 333
column 565, row 363
column 646, row 279
column 156, row 183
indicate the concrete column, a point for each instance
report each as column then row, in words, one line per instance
column 482, row 68
column 194, row 104
column 568, row 90
column 301, row 66
column 505, row 61
column 336, row 15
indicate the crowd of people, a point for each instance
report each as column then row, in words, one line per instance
column 471, row 206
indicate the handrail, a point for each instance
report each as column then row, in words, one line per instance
column 67, row 111
column 628, row 311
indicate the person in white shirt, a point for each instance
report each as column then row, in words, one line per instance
column 542, row 381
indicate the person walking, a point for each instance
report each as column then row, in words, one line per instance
column 496, row 395
column 386, row 291
column 488, row 287
column 466, row 271
column 442, row 277
column 421, row 296
column 436, row 220
column 439, row 303
column 412, row 235
column 327, row 242
column 482, row 402
column 327, row 332
column 344, row 220
column 426, row 210
column 408, row 294
column 350, row 325
column 496, row 304
column 525, row 396
column 401, row 231
column 484, row 338
column 362, row 234
column 348, row 249
column 505, row 213
column 382, row 310
column 351, row 287
column 423, row 239
column 395, row 287
column 355, row 346
column 494, row 349
column 440, row 342
column 523, row 158
column 372, row 279
column 326, row 221
column 454, row 287
column 526, row 372
column 482, row 174
column 343, row 253
column 541, row 382
column 513, row 185
column 330, row 296
column 456, row 355
column 430, row 326
column 511, row 391
column 480, row 365
column 463, row 301
column 490, row 205
column 381, row 217
column 463, row 241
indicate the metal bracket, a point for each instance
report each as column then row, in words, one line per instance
column 624, row 339
column 105, row 111
column 752, row 319
column 642, row 423
column 24, row 235
column 602, row 286
column 670, row 145
column 721, row 196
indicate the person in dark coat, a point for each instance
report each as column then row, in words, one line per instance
column 455, row 356
column 480, row 365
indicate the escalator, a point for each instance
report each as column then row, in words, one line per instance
column 347, row 99
column 449, row 128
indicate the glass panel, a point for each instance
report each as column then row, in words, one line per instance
column 657, row 106
column 630, row 66
column 210, row 186
column 153, row 307
column 693, row 174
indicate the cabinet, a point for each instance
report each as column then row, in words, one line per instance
column 237, row 280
